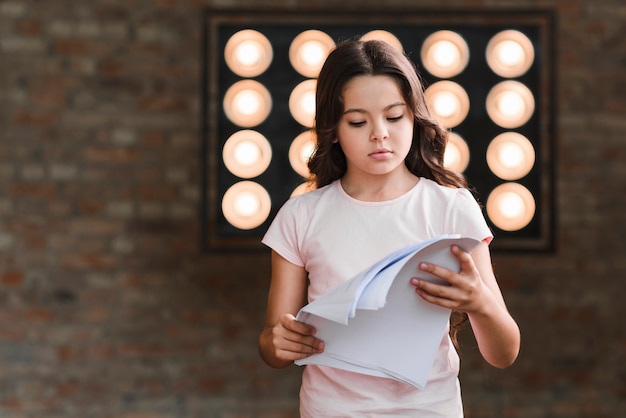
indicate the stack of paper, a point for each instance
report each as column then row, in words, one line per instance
column 376, row 324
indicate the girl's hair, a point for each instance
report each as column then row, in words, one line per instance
column 355, row 58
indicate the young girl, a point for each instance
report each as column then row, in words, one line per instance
column 381, row 185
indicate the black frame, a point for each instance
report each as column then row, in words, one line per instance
column 411, row 27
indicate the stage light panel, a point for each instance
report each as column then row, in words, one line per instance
column 488, row 80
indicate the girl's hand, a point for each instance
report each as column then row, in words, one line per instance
column 465, row 291
column 474, row 290
column 293, row 340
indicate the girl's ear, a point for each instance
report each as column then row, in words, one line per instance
column 336, row 140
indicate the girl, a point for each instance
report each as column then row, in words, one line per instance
column 381, row 185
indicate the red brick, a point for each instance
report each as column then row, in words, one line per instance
column 35, row 118
column 11, row 278
column 29, row 27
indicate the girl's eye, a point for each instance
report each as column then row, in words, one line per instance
column 395, row 118
column 357, row 124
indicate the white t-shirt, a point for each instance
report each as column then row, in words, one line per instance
column 334, row 237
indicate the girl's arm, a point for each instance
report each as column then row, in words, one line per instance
column 475, row 290
column 284, row 339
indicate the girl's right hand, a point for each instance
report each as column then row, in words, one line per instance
column 294, row 340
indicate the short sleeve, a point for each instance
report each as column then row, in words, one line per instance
column 465, row 217
column 281, row 236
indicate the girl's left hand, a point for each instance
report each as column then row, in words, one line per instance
column 463, row 292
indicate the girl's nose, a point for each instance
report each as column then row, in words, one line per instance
column 379, row 132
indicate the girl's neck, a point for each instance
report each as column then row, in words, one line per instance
column 378, row 188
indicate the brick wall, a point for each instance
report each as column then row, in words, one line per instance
column 107, row 307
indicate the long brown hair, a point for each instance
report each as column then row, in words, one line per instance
column 425, row 158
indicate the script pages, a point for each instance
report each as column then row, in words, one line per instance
column 376, row 324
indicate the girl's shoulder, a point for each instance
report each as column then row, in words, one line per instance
column 431, row 186
column 448, row 195
column 310, row 199
column 315, row 195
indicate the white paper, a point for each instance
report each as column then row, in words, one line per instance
column 376, row 324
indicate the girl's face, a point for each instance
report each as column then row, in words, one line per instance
column 376, row 129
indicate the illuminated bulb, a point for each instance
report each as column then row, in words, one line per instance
column 313, row 53
column 247, row 103
column 510, row 53
column 452, row 156
column 510, row 156
column 302, row 103
column 445, row 54
column 307, row 103
column 247, row 153
column 510, row 104
column 511, row 206
column 448, row 102
column 246, row 205
column 248, row 53
column 456, row 156
column 306, row 152
column 300, row 151
column 308, row 52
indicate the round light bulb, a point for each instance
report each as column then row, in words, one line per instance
column 246, row 205
column 313, row 53
column 247, row 153
column 247, row 103
column 448, row 102
column 248, row 53
column 456, row 156
column 510, row 104
column 511, row 206
column 510, row 156
column 445, row 54
column 308, row 52
column 510, row 53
